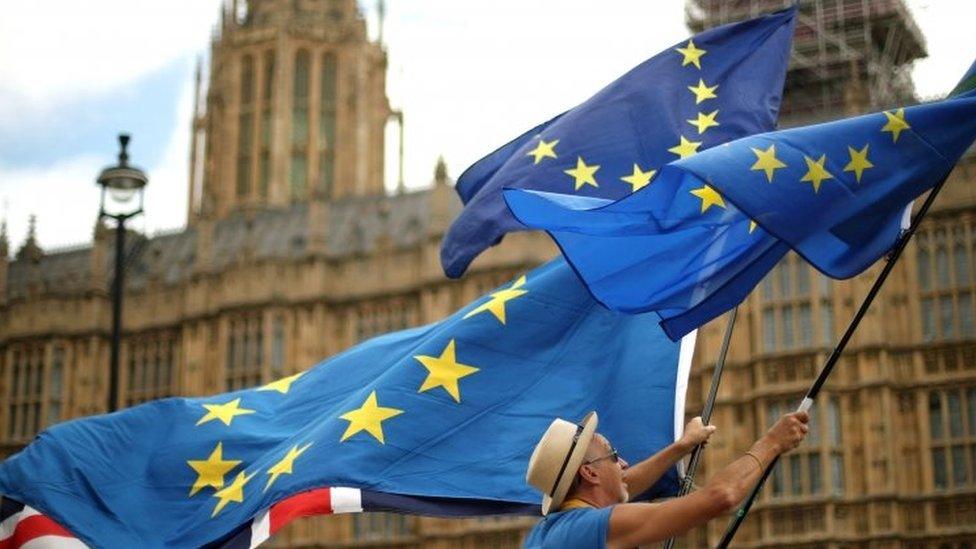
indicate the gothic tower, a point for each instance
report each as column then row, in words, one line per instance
column 294, row 111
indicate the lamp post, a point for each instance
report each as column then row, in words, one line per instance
column 120, row 185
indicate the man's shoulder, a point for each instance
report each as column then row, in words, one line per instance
column 583, row 528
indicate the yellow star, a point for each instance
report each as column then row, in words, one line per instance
column 444, row 371
column 709, row 198
column 859, row 161
column 282, row 385
column 284, row 467
column 224, row 412
column 583, row 173
column 234, row 492
column 704, row 121
column 544, row 150
column 767, row 161
column 211, row 471
column 369, row 417
column 692, row 55
column 639, row 179
column 685, row 148
column 752, row 226
column 816, row 172
column 496, row 303
column 896, row 123
column 703, row 92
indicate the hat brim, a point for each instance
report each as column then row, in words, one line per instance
column 572, row 465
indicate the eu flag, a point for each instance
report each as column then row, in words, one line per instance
column 834, row 192
column 439, row 419
column 717, row 86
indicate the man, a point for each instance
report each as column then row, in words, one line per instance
column 586, row 485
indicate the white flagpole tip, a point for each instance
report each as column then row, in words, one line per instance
column 805, row 405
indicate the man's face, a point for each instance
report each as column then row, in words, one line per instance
column 608, row 471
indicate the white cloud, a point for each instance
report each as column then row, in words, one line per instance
column 946, row 26
column 64, row 197
column 55, row 51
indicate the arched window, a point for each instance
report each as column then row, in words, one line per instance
column 960, row 258
column 786, row 335
column 244, row 351
column 55, row 385
column 278, row 347
column 783, row 269
column 151, row 367
column 924, row 262
column 245, row 127
column 941, row 260
column 267, row 94
column 802, row 277
column 327, row 125
column 298, row 175
column 826, row 322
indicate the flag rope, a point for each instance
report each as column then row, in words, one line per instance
column 828, row 367
column 689, row 479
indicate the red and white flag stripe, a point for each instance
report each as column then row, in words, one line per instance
column 29, row 529
column 322, row 501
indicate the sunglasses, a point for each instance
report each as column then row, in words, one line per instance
column 614, row 455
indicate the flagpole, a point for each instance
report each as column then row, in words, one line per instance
column 688, row 481
column 807, row 401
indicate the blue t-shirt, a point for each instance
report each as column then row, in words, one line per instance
column 576, row 528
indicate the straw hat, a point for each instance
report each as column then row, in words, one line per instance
column 557, row 457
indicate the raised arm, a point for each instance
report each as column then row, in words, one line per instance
column 643, row 475
column 633, row 524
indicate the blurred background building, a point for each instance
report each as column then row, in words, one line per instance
column 293, row 252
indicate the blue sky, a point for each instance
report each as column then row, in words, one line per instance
column 74, row 74
column 79, row 126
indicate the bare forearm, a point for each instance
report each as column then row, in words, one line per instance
column 738, row 478
column 642, row 476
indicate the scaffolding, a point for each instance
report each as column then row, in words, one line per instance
column 849, row 56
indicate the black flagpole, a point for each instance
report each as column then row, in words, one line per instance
column 807, row 401
column 688, row 481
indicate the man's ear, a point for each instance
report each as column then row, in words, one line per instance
column 588, row 473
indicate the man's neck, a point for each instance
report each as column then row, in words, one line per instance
column 590, row 497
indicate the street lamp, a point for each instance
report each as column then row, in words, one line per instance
column 120, row 185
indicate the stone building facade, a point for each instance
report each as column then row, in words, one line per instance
column 293, row 252
column 891, row 459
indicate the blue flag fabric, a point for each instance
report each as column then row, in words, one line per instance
column 720, row 85
column 675, row 248
column 834, row 192
column 444, row 415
